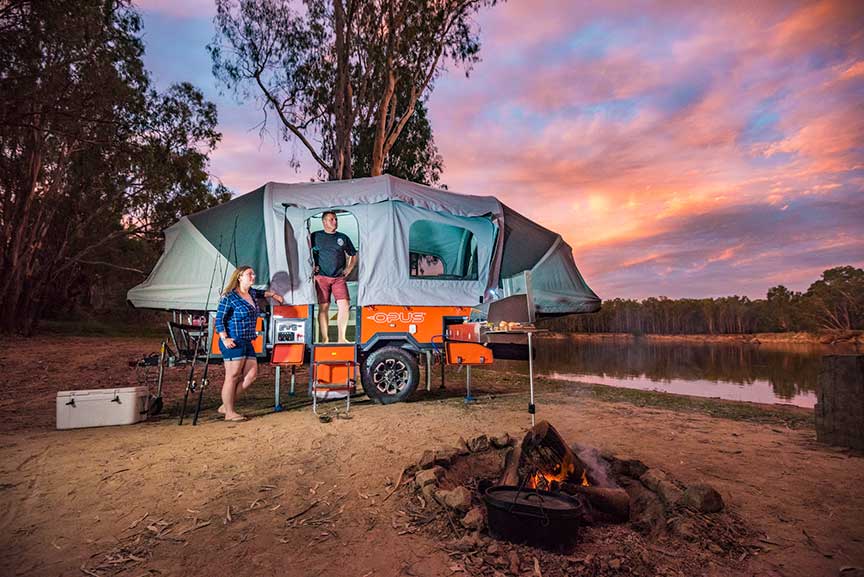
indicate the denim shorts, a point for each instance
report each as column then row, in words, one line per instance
column 242, row 349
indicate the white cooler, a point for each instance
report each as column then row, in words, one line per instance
column 101, row 407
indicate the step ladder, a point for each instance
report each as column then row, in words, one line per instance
column 334, row 369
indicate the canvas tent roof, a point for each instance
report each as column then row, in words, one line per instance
column 268, row 229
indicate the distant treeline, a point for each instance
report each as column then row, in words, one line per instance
column 834, row 302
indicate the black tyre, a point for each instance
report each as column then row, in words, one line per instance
column 390, row 375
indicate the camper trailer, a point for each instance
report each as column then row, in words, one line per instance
column 441, row 277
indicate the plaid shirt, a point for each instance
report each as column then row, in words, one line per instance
column 238, row 316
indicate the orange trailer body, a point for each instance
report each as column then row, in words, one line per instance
column 424, row 323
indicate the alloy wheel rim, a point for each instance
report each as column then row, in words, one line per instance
column 390, row 376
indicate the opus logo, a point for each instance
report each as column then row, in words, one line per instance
column 404, row 317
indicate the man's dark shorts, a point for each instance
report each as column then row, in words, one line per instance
column 325, row 285
column 243, row 349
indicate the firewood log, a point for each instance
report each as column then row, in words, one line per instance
column 614, row 504
column 544, row 450
column 510, row 476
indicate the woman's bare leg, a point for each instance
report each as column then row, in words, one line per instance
column 229, row 387
column 247, row 376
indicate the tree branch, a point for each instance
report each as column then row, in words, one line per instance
column 108, row 264
column 289, row 125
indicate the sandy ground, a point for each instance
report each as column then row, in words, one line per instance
column 225, row 498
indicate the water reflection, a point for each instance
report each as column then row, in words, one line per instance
column 766, row 373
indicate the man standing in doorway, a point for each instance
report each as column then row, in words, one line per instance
column 335, row 258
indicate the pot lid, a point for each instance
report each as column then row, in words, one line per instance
column 506, row 496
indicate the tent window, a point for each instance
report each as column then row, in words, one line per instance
column 441, row 251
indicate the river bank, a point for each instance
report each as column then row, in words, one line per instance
column 824, row 338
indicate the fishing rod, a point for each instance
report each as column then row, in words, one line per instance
column 204, row 380
column 204, row 383
column 190, row 382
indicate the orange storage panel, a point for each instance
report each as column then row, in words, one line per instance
column 333, row 364
column 464, row 332
column 288, row 354
column 468, row 354
column 257, row 344
column 291, row 311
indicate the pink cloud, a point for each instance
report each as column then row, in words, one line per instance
column 179, row 9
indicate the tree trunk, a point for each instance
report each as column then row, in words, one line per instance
column 339, row 103
column 377, row 167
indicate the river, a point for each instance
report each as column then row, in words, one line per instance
column 761, row 373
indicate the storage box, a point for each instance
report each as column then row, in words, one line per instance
column 468, row 354
column 101, row 407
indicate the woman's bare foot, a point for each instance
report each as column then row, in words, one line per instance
column 221, row 409
column 234, row 417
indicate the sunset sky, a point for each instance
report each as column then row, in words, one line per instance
column 682, row 149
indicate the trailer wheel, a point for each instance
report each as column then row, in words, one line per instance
column 390, row 375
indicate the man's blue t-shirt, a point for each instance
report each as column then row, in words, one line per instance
column 329, row 252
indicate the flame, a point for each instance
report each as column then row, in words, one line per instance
column 562, row 472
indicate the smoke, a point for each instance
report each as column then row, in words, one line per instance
column 598, row 467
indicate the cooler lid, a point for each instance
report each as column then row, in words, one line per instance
column 112, row 391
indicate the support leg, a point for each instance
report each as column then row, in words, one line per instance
column 468, row 397
column 428, row 371
column 278, row 403
column 443, row 364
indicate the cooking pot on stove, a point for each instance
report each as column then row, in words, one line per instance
column 541, row 518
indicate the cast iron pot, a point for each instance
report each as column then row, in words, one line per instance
column 539, row 518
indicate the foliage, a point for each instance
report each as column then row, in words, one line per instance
column 346, row 71
column 89, row 153
column 834, row 302
column 414, row 157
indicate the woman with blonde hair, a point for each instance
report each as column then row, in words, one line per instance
column 236, row 318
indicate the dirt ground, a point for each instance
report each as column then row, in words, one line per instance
column 285, row 494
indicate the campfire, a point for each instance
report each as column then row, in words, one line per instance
column 546, row 492
column 569, row 508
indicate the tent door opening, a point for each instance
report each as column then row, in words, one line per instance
column 347, row 225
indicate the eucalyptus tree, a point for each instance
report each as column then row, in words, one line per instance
column 328, row 68
column 89, row 153
column 836, row 300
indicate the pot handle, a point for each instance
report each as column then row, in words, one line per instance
column 528, row 495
